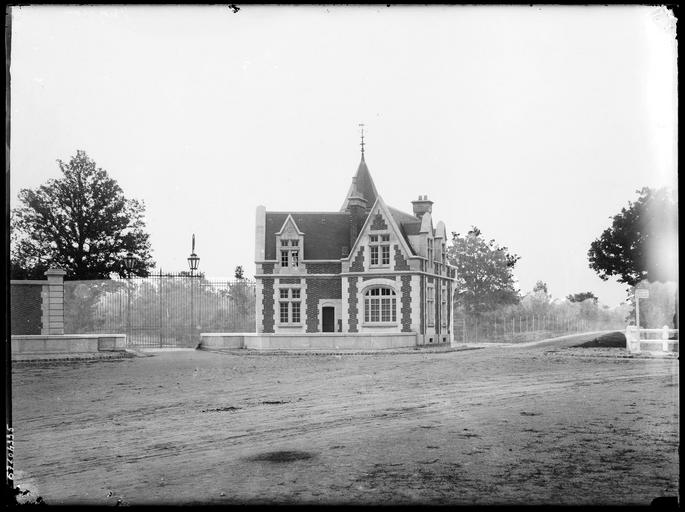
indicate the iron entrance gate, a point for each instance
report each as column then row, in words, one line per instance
column 164, row 310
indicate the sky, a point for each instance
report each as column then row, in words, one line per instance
column 535, row 124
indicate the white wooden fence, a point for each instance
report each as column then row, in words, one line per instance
column 635, row 337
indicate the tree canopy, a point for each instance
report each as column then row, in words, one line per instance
column 80, row 222
column 485, row 278
column 582, row 296
column 641, row 242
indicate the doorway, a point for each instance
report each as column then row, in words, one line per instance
column 328, row 319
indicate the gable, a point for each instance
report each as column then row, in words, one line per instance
column 289, row 229
column 378, row 217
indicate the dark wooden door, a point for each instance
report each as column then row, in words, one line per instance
column 328, row 319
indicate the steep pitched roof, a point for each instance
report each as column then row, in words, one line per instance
column 395, row 226
column 325, row 233
column 408, row 224
column 365, row 186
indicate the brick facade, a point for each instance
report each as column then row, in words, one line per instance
column 324, row 268
column 400, row 261
column 422, row 301
column 352, row 304
column 26, row 309
column 333, row 251
column 406, row 303
column 317, row 289
column 378, row 223
column 267, row 305
column 358, row 263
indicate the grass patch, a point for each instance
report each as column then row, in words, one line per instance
column 612, row 340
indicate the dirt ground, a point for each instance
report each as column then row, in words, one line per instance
column 497, row 425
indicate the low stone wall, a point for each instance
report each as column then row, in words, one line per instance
column 43, row 344
column 223, row 340
column 321, row 341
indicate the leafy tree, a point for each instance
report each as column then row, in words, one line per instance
column 641, row 241
column 80, row 222
column 537, row 302
column 582, row 296
column 239, row 272
column 485, row 278
column 540, row 286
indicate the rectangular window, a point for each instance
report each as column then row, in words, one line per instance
column 374, row 254
column 385, row 310
column 294, row 255
column 295, row 243
column 284, row 258
column 379, row 250
column 430, row 306
column 443, row 306
column 385, row 254
column 285, row 243
column 374, row 310
column 289, row 305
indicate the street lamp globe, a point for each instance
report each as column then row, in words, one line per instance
column 129, row 262
column 193, row 259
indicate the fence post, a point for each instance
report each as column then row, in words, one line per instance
column 664, row 337
column 55, row 296
column 632, row 339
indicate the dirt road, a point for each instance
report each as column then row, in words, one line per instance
column 486, row 426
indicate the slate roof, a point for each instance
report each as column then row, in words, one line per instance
column 325, row 233
column 365, row 186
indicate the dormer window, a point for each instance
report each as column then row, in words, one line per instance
column 290, row 252
column 289, row 242
column 379, row 245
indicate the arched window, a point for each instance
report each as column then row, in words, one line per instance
column 380, row 305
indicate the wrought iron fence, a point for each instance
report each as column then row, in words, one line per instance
column 163, row 310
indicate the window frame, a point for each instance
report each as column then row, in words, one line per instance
column 430, row 305
column 290, row 252
column 380, row 308
column 292, row 301
column 443, row 305
column 379, row 248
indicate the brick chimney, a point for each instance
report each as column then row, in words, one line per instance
column 421, row 206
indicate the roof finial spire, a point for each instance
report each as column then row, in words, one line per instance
column 362, row 143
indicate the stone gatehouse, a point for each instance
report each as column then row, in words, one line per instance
column 368, row 268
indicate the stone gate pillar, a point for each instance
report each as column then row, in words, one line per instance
column 53, row 314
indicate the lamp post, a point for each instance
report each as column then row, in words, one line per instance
column 129, row 263
column 193, row 262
